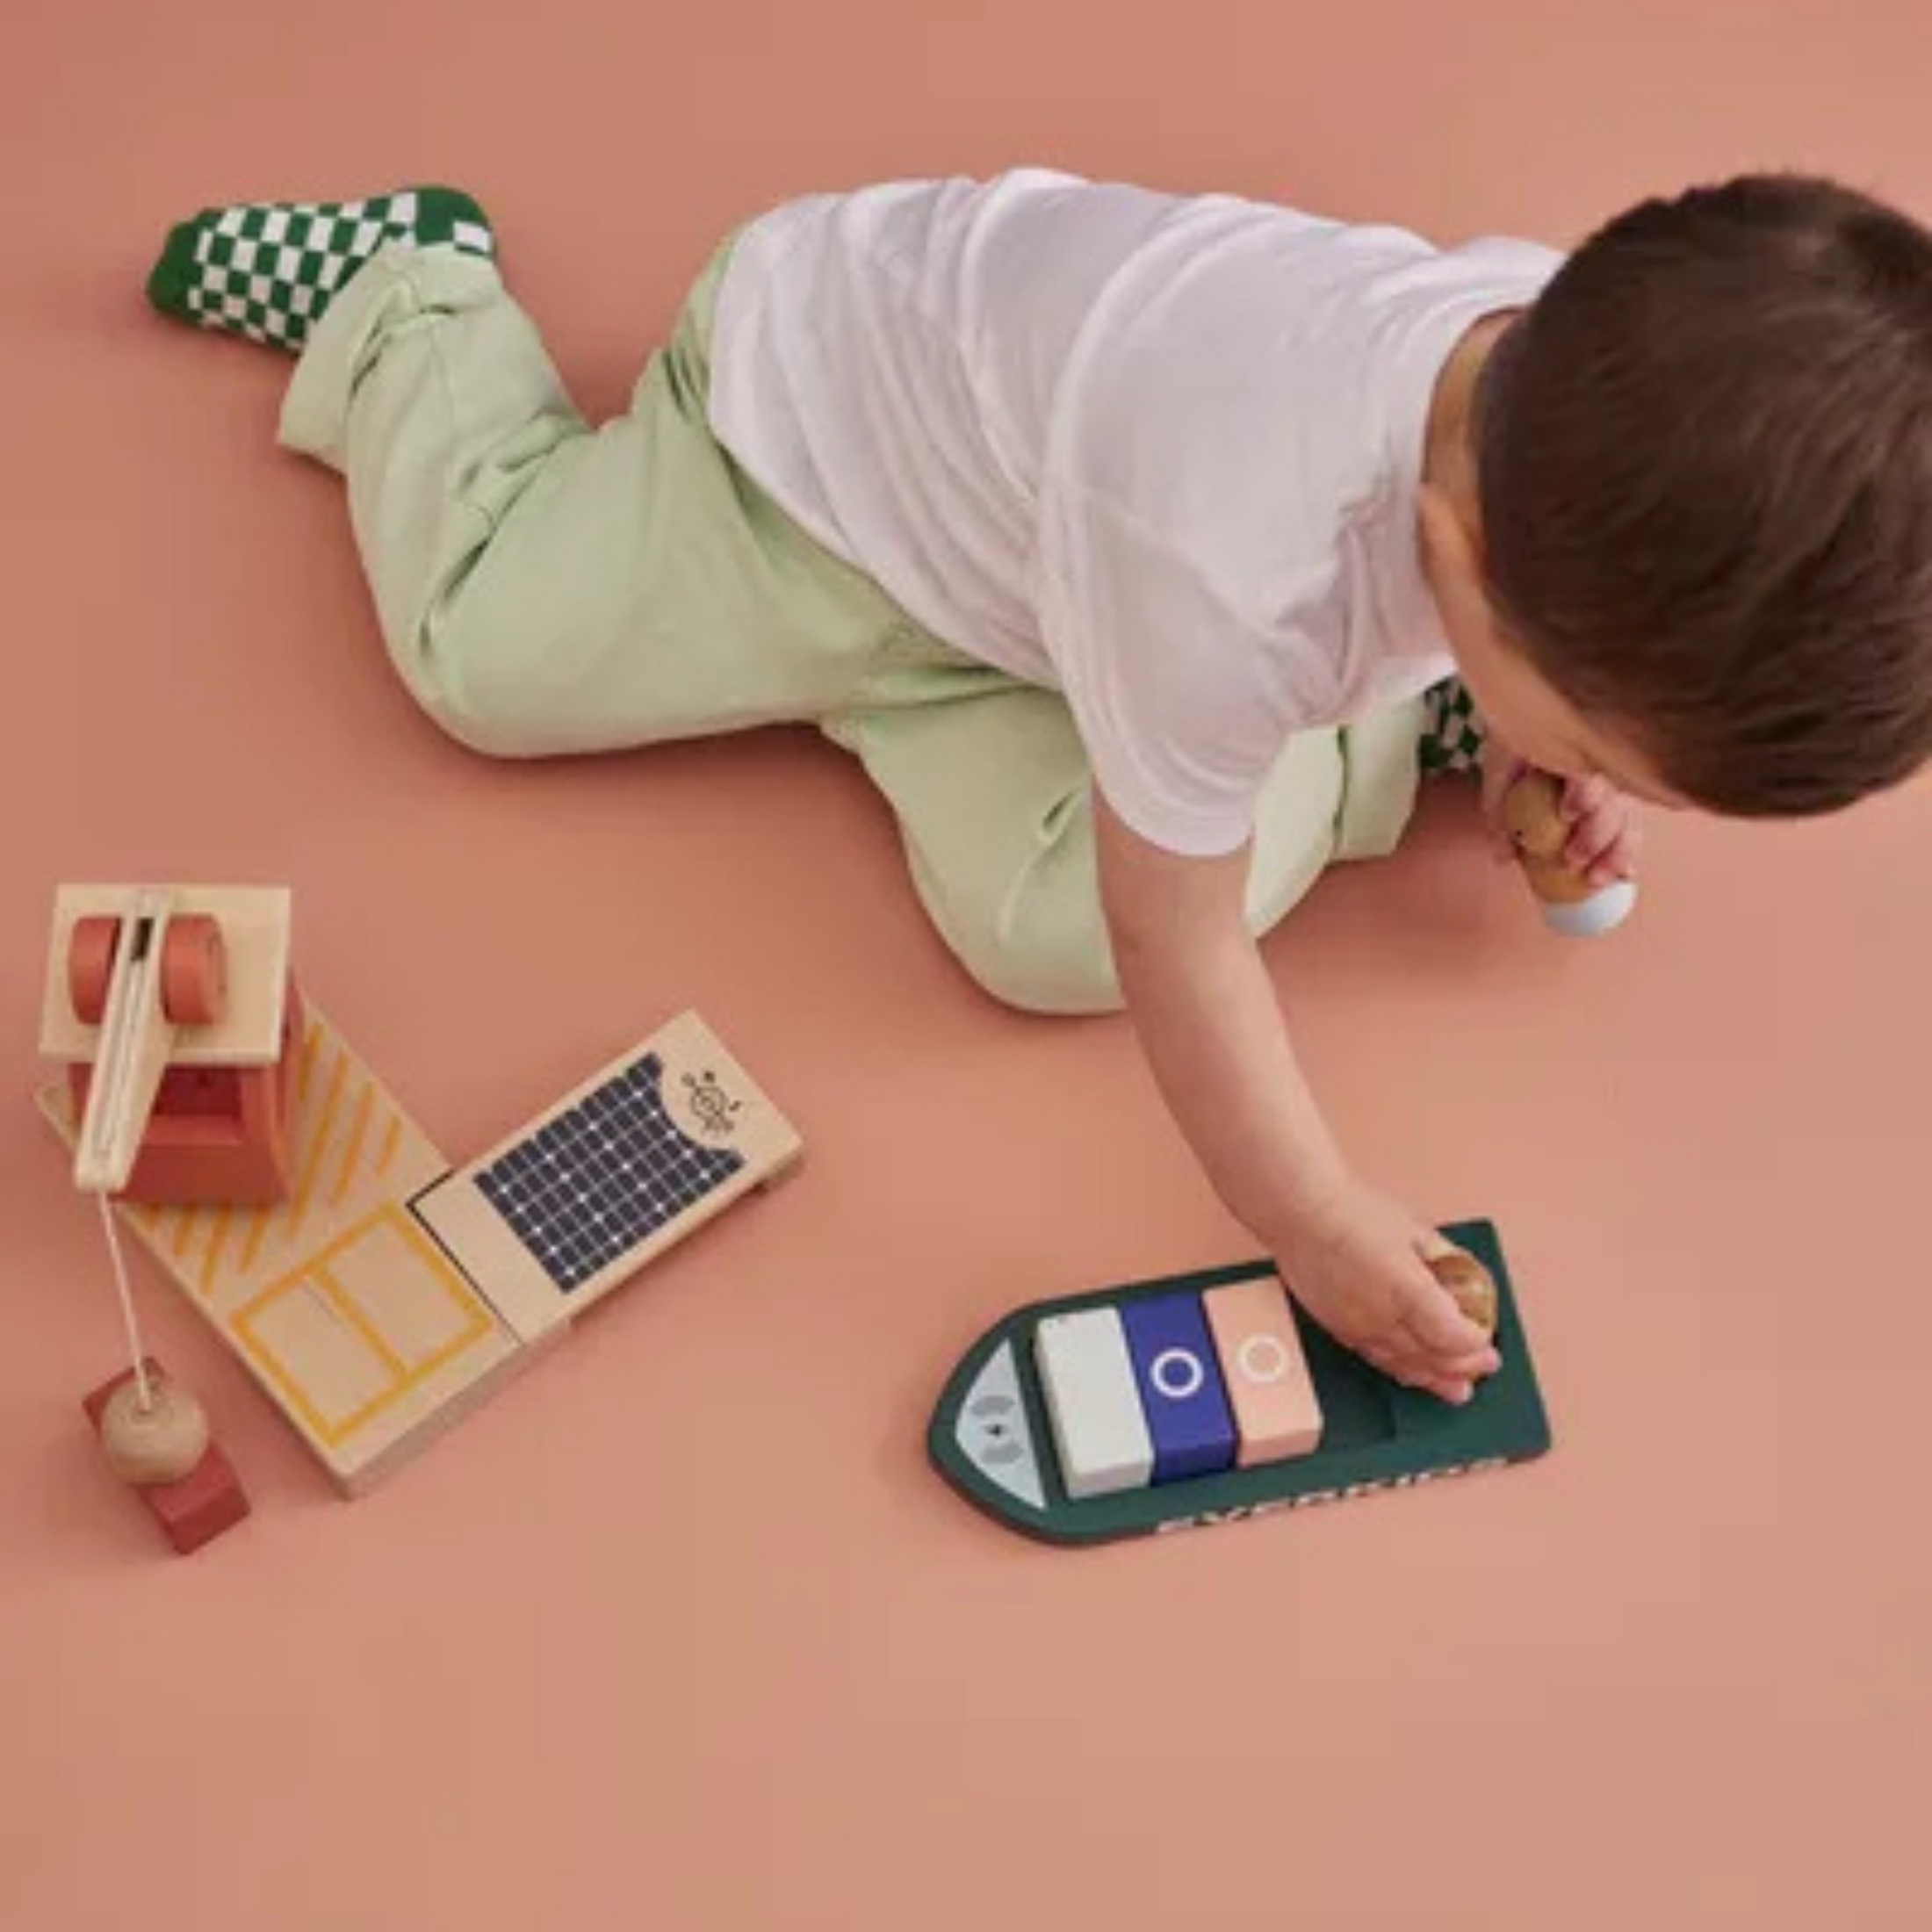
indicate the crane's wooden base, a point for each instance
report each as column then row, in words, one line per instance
column 340, row 1307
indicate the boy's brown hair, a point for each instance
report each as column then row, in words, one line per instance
column 1705, row 461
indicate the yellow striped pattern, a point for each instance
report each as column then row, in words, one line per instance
column 346, row 1131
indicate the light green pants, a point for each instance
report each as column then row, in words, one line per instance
column 544, row 588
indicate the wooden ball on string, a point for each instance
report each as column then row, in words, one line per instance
column 155, row 1440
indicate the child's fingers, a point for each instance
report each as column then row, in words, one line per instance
column 1618, row 859
column 1604, row 844
column 1465, row 1363
column 1582, row 797
column 1594, row 831
column 1396, row 1352
column 1446, row 1358
column 1406, row 1367
column 1481, row 1361
column 1451, row 1389
column 1593, row 844
column 1436, row 1324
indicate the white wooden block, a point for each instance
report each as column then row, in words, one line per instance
column 1086, row 1376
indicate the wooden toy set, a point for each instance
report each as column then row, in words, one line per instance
column 375, row 1291
column 1212, row 1398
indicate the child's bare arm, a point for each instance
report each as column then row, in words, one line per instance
column 1219, row 1047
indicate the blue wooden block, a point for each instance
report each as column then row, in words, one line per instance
column 1178, row 1373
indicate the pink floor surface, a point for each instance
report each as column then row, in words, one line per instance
column 681, row 1633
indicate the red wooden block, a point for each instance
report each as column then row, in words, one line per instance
column 206, row 1501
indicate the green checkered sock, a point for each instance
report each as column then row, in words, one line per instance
column 268, row 269
column 1452, row 733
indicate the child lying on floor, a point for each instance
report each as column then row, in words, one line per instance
column 1146, row 549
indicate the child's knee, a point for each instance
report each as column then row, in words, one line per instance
column 487, row 734
column 1042, row 960
column 1042, row 985
column 487, row 717
column 485, row 671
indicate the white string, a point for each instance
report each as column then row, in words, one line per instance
column 138, row 1354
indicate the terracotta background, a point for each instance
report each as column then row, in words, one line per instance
column 681, row 1633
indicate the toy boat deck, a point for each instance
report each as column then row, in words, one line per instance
column 1144, row 1409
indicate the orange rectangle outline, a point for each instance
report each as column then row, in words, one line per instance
column 315, row 1272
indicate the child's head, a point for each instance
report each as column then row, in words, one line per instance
column 1696, row 546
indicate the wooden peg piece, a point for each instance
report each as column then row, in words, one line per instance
column 1532, row 814
column 1469, row 1282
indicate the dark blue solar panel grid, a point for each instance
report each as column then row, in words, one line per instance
column 604, row 1175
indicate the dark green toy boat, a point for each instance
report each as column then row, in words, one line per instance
column 991, row 1439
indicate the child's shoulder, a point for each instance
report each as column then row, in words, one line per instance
column 1172, row 216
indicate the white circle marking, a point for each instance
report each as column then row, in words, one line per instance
column 1263, row 1359
column 1190, row 1372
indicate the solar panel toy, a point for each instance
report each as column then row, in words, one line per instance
column 1209, row 1398
column 572, row 1205
column 375, row 1291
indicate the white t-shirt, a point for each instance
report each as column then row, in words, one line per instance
column 1159, row 453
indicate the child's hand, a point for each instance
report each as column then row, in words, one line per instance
column 1605, row 830
column 1357, row 1263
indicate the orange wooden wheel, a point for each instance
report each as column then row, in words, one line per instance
column 194, row 972
column 90, row 949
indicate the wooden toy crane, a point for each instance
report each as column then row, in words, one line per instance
column 374, row 1290
column 173, row 1012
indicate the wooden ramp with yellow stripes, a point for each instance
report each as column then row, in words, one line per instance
column 348, row 1316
